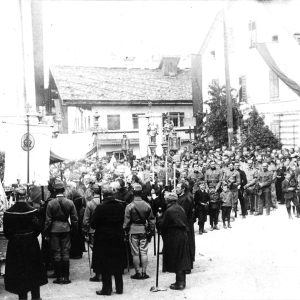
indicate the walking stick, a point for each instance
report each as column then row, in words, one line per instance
column 127, row 255
column 88, row 244
column 157, row 260
column 156, row 288
column 154, row 241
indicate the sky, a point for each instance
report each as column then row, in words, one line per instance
column 91, row 32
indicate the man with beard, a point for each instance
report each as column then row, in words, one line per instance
column 174, row 227
column 194, row 179
column 185, row 201
column 213, row 176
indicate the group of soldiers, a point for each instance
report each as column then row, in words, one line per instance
column 106, row 203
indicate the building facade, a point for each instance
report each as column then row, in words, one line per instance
column 120, row 96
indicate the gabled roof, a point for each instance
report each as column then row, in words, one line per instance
column 95, row 83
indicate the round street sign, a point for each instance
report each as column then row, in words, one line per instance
column 27, row 144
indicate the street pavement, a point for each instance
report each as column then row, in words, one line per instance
column 258, row 258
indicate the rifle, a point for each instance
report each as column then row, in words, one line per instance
column 127, row 254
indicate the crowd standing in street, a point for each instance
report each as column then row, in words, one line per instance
column 109, row 202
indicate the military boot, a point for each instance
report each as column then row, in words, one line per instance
column 66, row 272
column 58, row 269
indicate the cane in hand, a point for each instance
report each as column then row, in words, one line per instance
column 156, row 288
column 88, row 244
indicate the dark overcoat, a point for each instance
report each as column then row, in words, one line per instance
column 24, row 268
column 201, row 201
column 176, row 252
column 109, row 246
column 185, row 201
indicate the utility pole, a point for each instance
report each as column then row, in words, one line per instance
column 227, row 79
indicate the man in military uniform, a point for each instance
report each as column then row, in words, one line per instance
column 264, row 180
column 251, row 174
column 213, row 177
column 289, row 194
column 233, row 179
column 86, row 225
column 135, row 215
column 58, row 228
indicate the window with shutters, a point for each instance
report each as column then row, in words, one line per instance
column 113, row 122
column 176, row 117
column 274, row 85
column 252, row 34
column 135, row 121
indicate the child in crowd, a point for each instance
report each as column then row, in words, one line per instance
column 214, row 208
column 227, row 199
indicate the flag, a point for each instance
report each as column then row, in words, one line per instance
column 16, row 146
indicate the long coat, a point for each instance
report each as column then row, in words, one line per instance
column 186, row 202
column 109, row 246
column 24, row 265
column 200, row 199
column 176, row 252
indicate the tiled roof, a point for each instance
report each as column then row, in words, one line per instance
column 94, row 83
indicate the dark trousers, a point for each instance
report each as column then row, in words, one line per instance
column 213, row 216
column 35, row 294
column 242, row 203
column 226, row 210
column 107, row 282
column 279, row 194
column 249, row 197
column 61, row 244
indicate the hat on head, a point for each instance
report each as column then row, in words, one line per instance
column 171, row 196
column 59, row 185
column 137, row 187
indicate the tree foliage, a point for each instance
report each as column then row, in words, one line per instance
column 253, row 130
column 216, row 121
column 2, row 164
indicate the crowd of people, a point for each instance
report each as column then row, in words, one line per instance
column 106, row 202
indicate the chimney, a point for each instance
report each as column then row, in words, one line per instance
column 169, row 64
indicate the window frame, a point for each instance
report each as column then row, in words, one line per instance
column 117, row 121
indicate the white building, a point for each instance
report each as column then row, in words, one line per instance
column 120, row 96
column 258, row 44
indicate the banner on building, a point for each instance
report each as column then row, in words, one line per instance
column 17, row 142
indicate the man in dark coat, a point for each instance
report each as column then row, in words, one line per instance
column 24, row 265
column 174, row 227
column 108, row 250
column 243, row 182
column 185, row 201
column 201, row 201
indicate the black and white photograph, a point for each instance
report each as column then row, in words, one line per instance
column 149, row 149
